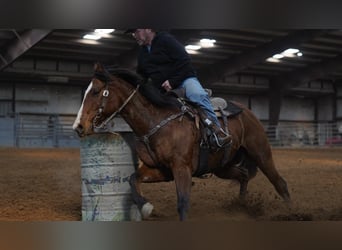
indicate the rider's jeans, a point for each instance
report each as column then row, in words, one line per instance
column 195, row 93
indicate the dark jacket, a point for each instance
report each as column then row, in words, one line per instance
column 167, row 60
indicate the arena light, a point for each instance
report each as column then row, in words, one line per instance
column 278, row 56
column 192, row 49
column 207, row 43
column 88, row 41
column 291, row 52
column 91, row 37
column 273, row 60
column 104, row 31
column 98, row 34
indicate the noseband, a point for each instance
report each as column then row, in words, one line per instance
column 99, row 113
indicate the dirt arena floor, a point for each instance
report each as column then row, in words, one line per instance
column 44, row 185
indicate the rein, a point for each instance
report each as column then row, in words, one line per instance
column 105, row 94
column 146, row 138
column 151, row 132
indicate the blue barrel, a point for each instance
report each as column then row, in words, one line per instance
column 106, row 166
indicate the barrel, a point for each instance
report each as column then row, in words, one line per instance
column 106, row 166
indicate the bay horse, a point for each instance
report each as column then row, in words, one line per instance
column 168, row 139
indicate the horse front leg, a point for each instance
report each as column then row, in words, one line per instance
column 144, row 174
column 183, row 181
column 144, row 206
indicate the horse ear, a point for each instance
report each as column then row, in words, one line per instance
column 98, row 67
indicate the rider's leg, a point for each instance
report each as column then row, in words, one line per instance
column 195, row 93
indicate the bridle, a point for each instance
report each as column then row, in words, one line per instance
column 146, row 138
column 99, row 113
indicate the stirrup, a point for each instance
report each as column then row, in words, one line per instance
column 223, row 144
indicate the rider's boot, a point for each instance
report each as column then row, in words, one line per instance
column 221, row 137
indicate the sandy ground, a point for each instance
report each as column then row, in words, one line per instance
column 44, row 185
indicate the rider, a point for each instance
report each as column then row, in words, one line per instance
column 165, row 61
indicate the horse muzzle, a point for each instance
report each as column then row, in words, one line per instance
column 80, row 130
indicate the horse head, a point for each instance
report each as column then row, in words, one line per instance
column 93, row 109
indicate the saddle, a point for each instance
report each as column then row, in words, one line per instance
column 223, row 109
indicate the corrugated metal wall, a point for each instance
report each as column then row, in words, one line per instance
column 25, row 109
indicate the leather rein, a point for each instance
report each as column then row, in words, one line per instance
column 144, row 138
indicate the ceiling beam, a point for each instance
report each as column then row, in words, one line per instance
column 46, row 76
column 318, row 70
column 20, row 45
column 236, row 63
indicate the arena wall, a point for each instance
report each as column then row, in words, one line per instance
column 36, row 102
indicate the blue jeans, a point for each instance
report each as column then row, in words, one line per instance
column 195, row 93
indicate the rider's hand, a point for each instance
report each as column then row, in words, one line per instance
column 166, row 85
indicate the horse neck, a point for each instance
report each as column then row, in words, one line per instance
column 140, row 114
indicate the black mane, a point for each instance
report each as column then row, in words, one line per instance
column 127, row 75
column 147, row 89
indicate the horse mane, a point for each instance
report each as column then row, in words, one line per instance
column 147, row 89
column 126, row 75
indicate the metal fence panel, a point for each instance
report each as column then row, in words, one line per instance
column 53, row 130
column 304, row 134
column 44, row 130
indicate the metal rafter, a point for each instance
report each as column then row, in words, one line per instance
column 234, row 64
column 20, row 45
column 315, row 71
column 282, row 84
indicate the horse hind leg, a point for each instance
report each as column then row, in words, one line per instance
column 237, row 173
column 281, row 187
column 241, row 169
column 244, row 174
column 248, row 170
column 243, row 179
column 266, row 165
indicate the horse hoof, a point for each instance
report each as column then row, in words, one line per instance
column 146, row 210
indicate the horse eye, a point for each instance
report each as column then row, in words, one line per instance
column 96, row 91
